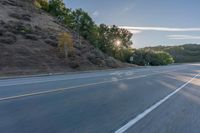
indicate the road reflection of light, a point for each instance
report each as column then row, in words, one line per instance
column 168, row 85
column 123, row 86
column 196, row 82
column 114, row 79
column 190, row 96
column 184, row 77
column 193, row 91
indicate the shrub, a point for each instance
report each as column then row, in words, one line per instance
column 65, row 43
column 150, row 57
column 123, row 54
column 42, row 4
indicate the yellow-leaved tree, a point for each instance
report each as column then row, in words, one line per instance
column 43, row 4
column 65, row 43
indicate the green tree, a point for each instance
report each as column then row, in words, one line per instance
column 56, row 7
column 115, row 41
column 83, row 23
column 104, row 38
column 150, row 57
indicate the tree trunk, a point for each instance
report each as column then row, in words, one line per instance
column 65, row 50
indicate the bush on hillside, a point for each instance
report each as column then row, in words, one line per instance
column 65, row 43
column 42, row 4
column 149, row 57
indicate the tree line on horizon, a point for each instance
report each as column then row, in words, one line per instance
column 112, row 40
column 186, row 53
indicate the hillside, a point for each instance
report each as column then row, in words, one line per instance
column 28, row 43
column 181, row 54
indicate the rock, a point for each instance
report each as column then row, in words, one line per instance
column 11, row 3
column 2, row 22
column 37, row 28
column 31, row 37
column 74, row 64
column 78, row 46
column 52, row 43
column 78, row 52
column 8, row 38
column 2, row 32
column 43, row 37
column 98, row 53
column 25, row 17
column 18, row 27
column 111, row 62
column 95, row 60
column 52, row 37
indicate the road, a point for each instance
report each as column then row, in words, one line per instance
column 133, row 100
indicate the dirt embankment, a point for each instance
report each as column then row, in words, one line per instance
column 28, row 43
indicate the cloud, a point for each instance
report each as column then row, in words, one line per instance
column 135, row 31
column 183, row 37
column 95, row 13
column 160, row 29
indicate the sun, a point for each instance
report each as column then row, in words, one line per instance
column 118, row 43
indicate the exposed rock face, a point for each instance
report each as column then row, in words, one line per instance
column 28, row 43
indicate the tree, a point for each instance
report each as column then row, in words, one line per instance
column 83, row 23
column 56, row 7
column 65, row 42
column 124, row 54
column 43, row 4
column 150, row 57
column 104, row 38
column 109, row 36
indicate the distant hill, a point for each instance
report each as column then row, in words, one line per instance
column 181, row 54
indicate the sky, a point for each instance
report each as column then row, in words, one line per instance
column 152, row 22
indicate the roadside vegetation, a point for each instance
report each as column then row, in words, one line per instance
column 181, row 54
column 65, row 44
column 113, row 41
column 150, row 57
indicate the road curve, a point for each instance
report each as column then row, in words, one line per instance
column 145, row 100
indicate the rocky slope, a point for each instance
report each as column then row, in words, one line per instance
column 28, row 43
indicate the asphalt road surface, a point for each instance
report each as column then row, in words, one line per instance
column 134, row 100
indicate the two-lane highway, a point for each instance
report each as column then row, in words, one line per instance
column 148, row 100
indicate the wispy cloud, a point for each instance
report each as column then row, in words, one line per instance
column 183, row 37
column 160, row 29
column 135, row 31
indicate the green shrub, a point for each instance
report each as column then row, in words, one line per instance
column 150, row 57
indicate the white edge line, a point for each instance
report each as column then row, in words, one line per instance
column 78, row 86
column 147, row 111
